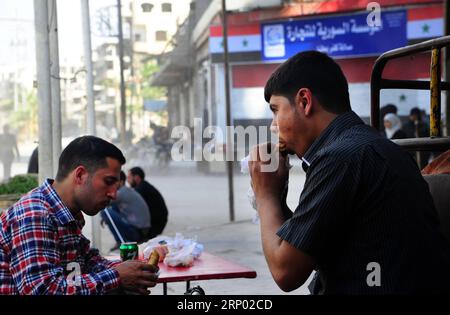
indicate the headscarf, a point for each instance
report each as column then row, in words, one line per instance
column 396, row 125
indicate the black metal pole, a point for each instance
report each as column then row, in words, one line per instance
column 447, row 67
column 230, row 135
column 123, row 109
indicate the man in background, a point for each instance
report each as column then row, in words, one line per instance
column 417, row 128
column 129, row 213
column 33, row 163
column 153, row 198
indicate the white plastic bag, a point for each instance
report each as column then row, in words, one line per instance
column 245, row 169
column 182, row 251
column 181, row 257
column 250, row 194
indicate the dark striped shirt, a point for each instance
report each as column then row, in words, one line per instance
column 364, row 201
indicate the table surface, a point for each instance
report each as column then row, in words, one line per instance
column 207, row 267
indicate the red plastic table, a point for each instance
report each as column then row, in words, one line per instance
column 207, row 267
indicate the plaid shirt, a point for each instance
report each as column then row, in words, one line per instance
column 42, row 250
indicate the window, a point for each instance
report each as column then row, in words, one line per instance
column 166, row 7
column 109, row 65
column 110, row 51
column 161, row 36
column 147, row 7
column 140, row 33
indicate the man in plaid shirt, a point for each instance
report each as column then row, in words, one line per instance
column 42, row 249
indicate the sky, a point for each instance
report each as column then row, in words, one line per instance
column 21, row 33
column 10, row 30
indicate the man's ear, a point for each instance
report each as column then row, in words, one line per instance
column 81, row 174
column 304, row 99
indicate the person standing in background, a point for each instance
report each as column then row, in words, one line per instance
column 8, row 150
column 393, row 127
column 417, row 128
column 387, row 109
column 33, row 163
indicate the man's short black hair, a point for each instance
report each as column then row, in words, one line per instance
column 137, row 171
column 88, row 151
column 123, row 176
column 315, row 71
column 415, row 111
column 388, row 109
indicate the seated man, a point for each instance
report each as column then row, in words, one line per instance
column 365, row 220
column 153, row 198
column 42, row 249
column 129, row 213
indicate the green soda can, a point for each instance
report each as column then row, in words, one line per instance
column 129, row 251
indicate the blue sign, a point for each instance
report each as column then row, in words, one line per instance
column 339, row 36
column 154, row 105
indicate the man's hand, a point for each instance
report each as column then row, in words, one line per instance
column 268, row 176
column 162, row 250
column 137, row 276
column 289, row 266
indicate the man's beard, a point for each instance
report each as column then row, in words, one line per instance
column 83, row 199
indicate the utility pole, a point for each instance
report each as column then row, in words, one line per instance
column 90, row 112
column 91, row 130
column 123, row 108
column 16, row 45
column 44, row 89
column 132, row 71
column 55, row 84
column 230, row 135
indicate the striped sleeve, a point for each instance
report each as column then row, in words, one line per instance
column 318, row 220
column 35, row 265
column 96, row 262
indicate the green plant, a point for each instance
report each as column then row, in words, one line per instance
column 20, row 184
column 148, row 91
column 25, row 120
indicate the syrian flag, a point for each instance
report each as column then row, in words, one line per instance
column 241, row 39
column 425, row 22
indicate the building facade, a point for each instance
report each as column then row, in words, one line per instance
column 260, row 39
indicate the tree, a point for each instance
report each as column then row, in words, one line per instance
column 148, row 91
column 26, row 119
